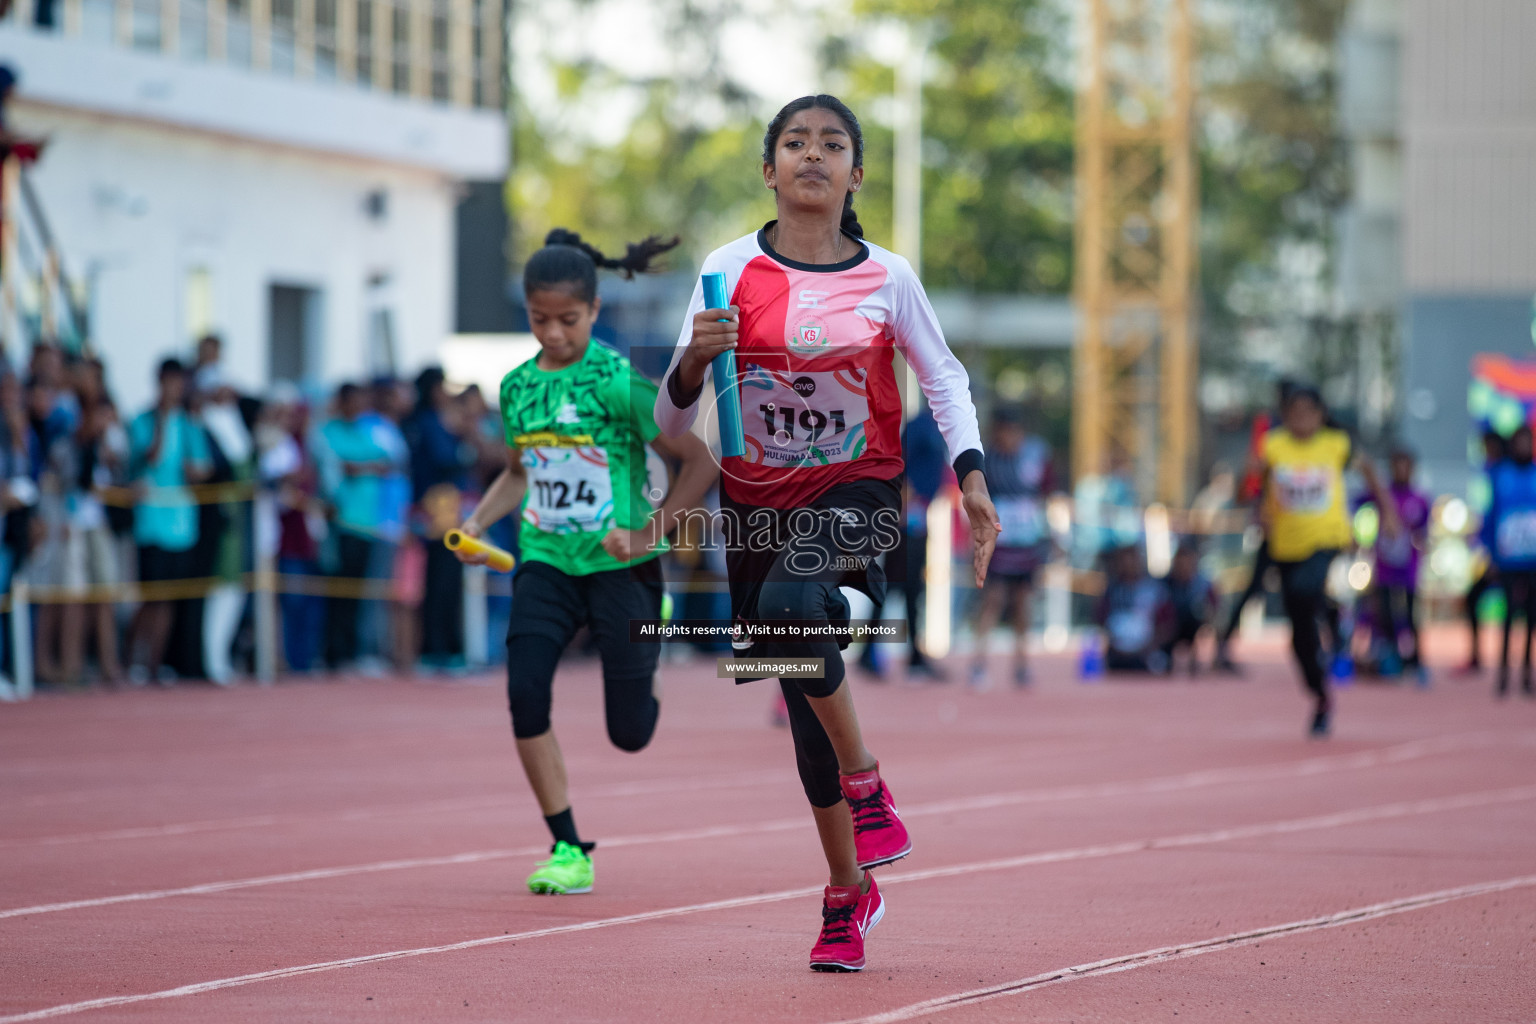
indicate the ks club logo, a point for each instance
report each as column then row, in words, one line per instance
column 809, row 336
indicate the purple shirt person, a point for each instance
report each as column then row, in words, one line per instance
column 1397, row 571
column 1397, row 558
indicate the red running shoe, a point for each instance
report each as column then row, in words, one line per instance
column 879, row 837
column 847, row 915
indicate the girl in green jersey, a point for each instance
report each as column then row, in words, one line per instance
column 577, row 419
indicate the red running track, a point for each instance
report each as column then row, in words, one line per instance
column 354, row 851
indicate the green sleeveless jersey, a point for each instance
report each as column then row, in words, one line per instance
column 581, row 432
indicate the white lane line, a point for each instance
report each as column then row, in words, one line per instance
column 343, row 871
column 1359, row 816
column 1165, row 954
column 1363, row 814
column 1225, row 776
column 475, row 803
column 398, row 954
column 1263, row 773
column 1397, row 754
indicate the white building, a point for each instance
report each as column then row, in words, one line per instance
column 1439, row 106
column 273, row 170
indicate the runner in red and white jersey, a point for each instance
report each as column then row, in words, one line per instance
column 817, row 316
column 819, row 396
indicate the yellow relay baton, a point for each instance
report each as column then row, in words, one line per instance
column 458, row 540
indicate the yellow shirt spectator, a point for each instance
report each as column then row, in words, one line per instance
column 1305, row 499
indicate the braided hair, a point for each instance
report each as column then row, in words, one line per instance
column 821, row 101
column 567, row 261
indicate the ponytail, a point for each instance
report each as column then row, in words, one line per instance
column 568, row 261
column 850, row 223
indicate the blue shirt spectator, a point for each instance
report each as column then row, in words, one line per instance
column 166, row 515
column 1509, row 525
column 438, row 454
column 395, row 485
column 354, row 461
column 925, row 453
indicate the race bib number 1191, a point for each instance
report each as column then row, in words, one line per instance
column 802, row 419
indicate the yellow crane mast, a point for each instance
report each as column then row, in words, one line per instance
column 1134, row 361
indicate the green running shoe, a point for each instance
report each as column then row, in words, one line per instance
column 568, row 870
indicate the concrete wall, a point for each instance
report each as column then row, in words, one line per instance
column 1443, row 333
column 137, row 206
column 1469, row 210
column 158, row 166
column 84, row 74
column 1469, row 84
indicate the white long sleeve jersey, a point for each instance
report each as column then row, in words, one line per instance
column 815, row 363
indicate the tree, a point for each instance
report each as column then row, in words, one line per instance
column 997, row 159
column 682, row 160
column 998, row 130
column 997, row 126
column 1274, row 176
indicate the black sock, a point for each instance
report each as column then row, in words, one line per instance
column 563, row 827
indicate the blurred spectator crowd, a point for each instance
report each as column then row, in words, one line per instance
column 142, row 536
column 346, row 495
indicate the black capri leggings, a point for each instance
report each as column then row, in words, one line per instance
column 787, row 564
column 1261, row 564
column 1520, row 598
column 547, row 608
column 1306, row 601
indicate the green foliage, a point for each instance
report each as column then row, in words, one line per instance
column 998, row 145
column 997, row 126
column 1274, row 169
column 664, row 177
column 998, row 154
column 687, row 162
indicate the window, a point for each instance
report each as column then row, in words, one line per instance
column 197, row 303
column 293, row 332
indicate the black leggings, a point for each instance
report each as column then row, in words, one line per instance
column 442, row 604
column 629, row 701
column 351, row 564
column 814, row 757
column 905, row 567
column 1519, row 595
column 1302, row 587
column 547, row 608
column 795, row 574
column 1387, row 601
column 1261, row 564
column 1186, row 633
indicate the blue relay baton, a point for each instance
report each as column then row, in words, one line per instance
column 727, row 399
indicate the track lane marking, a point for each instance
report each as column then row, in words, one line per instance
column 1360, row 815
column 1397, row 754
column 1193, row 780
column 474, row 803
column 1167, row 954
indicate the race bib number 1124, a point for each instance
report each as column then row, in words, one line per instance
column 569, row 489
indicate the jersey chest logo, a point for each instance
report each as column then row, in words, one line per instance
column 809, row 336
